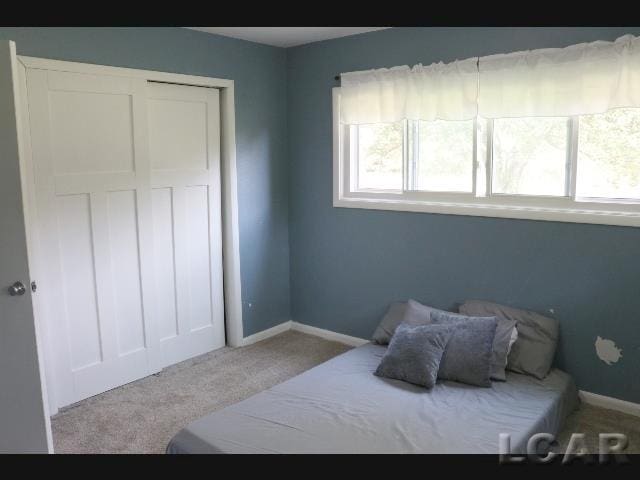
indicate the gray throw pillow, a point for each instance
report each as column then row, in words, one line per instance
column 419, row 314
column 467, row 356
column 533, row 351
column 415, row 313
column 411, row 312
column 389, row 323
column 414, row 354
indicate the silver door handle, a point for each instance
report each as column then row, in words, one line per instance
column 17, row 289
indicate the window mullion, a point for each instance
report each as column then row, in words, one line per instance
column 410, row 154
column 405, row 157
column 416, row 154
column 474, row 170
column 354, row 159
column 489, row 158
column 572, row 160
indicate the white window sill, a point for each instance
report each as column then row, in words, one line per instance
column 589, row 214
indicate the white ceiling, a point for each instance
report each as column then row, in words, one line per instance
column 286, row 36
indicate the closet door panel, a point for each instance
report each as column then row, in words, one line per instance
column 199, row 259
column 91, row 132
column 179, row 134
column 163, row 233
column 123, row 243
column 79, row 281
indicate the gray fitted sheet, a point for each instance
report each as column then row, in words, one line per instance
column 341, row 407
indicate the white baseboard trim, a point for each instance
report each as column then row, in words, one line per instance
column 328, row 334
column 269, row 332
column 610, row 403
column 300, row 327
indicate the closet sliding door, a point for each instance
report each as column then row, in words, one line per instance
column 92, row 179
column 184, row 139
column 128, row 225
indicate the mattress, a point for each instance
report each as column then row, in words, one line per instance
column 341, row 407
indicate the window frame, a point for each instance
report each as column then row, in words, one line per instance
column 569, row 208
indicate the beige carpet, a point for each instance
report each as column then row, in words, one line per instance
column 592, row 420
column 141, row 417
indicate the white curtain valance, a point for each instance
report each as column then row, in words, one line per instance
column 437, row 91
column 580, row 79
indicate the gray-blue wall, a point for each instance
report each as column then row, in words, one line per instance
column 259, row 73
column 348, row 264
column 343, row 266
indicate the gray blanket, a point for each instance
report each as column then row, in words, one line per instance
column 341, row 407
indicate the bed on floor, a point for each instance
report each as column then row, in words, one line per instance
column 341, row 407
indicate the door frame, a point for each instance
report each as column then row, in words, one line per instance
column 230, row 227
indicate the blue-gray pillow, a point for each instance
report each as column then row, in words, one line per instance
column 389, row 323
column 468, row 354
column 414, row 354
column 416, row 313
column 410, row 312
column 533, row 351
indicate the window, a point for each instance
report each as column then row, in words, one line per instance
column 438, row 156
column 581, row 168
column 609, row 155
column 530, row 156
column 444, row 161
column 378, row 149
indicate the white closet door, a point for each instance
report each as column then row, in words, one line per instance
column 127, row 179
column 95, row 228
column 184, row 146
